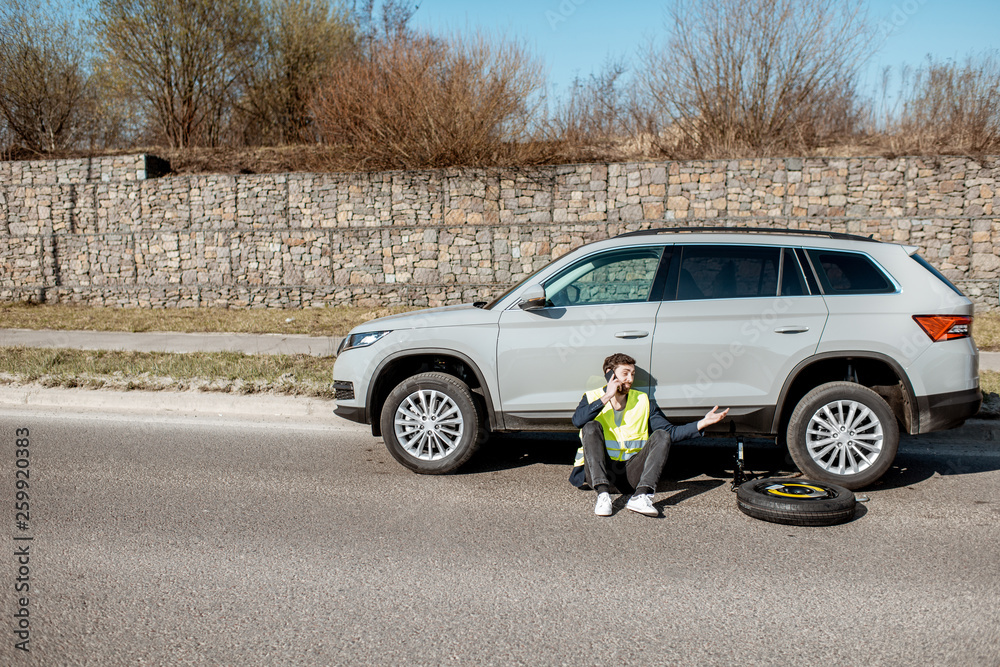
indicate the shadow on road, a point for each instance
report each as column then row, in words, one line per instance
column 714, row 458
column 684, row 490
column 709, row 457
column 910, row 469
column 504, row 451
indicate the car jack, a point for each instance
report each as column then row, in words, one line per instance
column 739, row 474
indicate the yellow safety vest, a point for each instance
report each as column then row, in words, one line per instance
column 625, row 441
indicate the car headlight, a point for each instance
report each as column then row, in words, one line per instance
column 360, row 340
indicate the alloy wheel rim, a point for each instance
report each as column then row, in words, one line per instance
column 844, row 437
column 428, row 425
column 795, row 490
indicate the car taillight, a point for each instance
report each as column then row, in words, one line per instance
column 945, row 327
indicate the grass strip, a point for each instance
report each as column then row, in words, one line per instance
column 333, row 321
column 986, row 331
column 230, row 372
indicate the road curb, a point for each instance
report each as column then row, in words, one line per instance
column 187, row 402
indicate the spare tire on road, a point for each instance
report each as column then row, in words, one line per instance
column 797, row 502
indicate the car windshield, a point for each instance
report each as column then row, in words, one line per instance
column 500, row 298
column 503, row 296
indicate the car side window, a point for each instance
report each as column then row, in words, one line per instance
column 727, row 272
column 618, row 276
column 849, row 273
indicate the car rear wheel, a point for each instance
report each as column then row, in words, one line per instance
column 843, row 433
column 430, row 423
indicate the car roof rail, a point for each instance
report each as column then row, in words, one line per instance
column 752, row 230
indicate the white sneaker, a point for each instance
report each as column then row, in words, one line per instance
column 643, row 504
column 603, row 506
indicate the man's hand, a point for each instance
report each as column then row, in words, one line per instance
column 712, row 417
column 613, row 385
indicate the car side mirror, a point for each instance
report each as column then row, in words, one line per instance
column 533, row 298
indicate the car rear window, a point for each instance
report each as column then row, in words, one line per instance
column 849, row 273
column 927, row 265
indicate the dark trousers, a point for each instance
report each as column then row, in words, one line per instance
column 643, row 469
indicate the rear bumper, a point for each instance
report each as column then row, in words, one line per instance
column 939, row 412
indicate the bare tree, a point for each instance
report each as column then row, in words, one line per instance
column 183, row 58
column 120, row 116
column 390, row 22
column 302, row 40
column 45, row 99
column 596, row 108
column 757, row 76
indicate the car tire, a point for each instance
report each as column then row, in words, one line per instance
column 430, row 423
column 843, row 433
column 796, row 502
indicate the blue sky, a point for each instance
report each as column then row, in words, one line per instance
column 577, row 36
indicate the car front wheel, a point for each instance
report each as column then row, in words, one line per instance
column 843, row 433
column 430, row 423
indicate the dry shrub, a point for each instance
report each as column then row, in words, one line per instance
column 595, row 109
column 601, row 119
column 420, row 102
column 950, row 107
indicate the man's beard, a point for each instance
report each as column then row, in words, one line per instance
column 622, row 389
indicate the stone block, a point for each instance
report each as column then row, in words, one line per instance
column 984, row 262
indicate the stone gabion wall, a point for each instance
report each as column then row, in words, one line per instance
column 113, row 231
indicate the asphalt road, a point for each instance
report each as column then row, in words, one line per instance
column 178, row 540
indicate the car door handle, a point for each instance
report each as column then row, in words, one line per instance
column 792, row 329
column 631, row 334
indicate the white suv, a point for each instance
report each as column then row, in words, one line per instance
column 828, row 342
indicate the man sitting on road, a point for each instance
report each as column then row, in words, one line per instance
column 626, row 439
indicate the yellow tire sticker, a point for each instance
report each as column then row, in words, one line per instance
column 814, row 491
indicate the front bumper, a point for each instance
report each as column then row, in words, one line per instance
column 352, row 413
column 350, row 385
column 940, row 412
